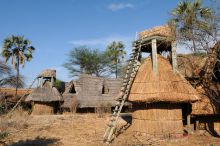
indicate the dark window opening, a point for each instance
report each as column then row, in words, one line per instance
column 186, row 110
column 105, row 90
column 72, row 90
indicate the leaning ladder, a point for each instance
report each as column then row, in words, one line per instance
column 132, row 69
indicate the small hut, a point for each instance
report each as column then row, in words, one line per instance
column 160, row 96
column 45, row 98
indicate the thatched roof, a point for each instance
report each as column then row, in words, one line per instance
column 45, row 94
column 96, row 91
column 190, row 65
column 166, row 86
column 68, row 100
column 48, row 73
column 163, row 31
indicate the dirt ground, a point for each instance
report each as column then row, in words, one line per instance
column 86, row 130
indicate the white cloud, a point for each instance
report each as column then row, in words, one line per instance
column 104, row 41
column 119, row 6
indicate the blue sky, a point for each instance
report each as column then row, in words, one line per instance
column 56, row 26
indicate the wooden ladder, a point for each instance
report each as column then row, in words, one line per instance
column 131, row 72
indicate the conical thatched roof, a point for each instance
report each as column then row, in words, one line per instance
column 45, row 94
column 166, row 86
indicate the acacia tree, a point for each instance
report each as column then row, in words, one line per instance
column 19, row 50
column 115, row 51
column 88, row 61
column 193, row 23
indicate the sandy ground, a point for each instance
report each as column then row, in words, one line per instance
column 87, row 130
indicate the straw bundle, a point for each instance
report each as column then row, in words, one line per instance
column 161, row 119
column 165, row 86
column 40, row 108
column 48, row 73
column 163, row 31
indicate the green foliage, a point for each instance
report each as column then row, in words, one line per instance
column 115, row 51
column 3, row 135
column 59, row 84
column 192, row 22
column 18, row 49
column 88, row 61
column 202, row 54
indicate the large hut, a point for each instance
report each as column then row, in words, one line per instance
column 160, row 96
column 205, row 112
column 45, row 98
column 90, row 93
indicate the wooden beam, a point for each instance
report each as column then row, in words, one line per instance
column 174, row 61
column 154, row 55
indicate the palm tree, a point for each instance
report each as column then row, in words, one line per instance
column 19, row 50
column 115, row 51
column 190, row 17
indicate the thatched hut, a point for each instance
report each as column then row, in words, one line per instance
column 90, row 93
column 158, row 99
column 45, row 98
column 160, row 96
column 97, row 91
column 205, row 112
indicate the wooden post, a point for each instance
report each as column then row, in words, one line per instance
column 188, row 119
column 41, row 82
column 154, row 55
column 52, row 82
column 174, row 61
column 197, row 125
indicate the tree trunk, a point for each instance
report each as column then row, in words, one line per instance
column 116, row 70
column 193, row 41
column 210, row 63
column 17, row 76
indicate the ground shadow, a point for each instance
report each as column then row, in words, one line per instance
column 123, row 128
column 127, row 117
column 39, row 141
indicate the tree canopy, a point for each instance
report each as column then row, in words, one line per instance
column 115, row 51
column 194, row 24
column 88, row 61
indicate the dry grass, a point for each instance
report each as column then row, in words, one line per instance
column 85, row 130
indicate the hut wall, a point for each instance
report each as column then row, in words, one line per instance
column 159, row 119
column 40, row 108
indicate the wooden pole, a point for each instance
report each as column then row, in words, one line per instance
column 188, row 119
column 174, row 61
column 52, row 82
column 154, row 55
